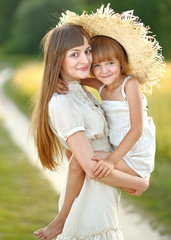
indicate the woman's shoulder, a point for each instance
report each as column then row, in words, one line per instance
column 62, row 102
column 59, row 101
column 59, row 98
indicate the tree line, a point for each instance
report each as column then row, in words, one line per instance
column 23, row 23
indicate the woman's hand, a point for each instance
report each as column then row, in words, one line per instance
column 61, row 86
column 102, row 168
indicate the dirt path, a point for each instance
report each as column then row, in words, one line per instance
column 134, row 227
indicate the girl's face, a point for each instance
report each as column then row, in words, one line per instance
column 77, row 62
column 107, row 72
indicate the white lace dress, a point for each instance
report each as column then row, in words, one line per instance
column 94, row 213
column 141, row 157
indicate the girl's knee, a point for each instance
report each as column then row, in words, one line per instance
column 75, row 166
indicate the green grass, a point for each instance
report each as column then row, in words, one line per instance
column 154, row 204
column 27, row 201
column 17, row 60
column 22, row 99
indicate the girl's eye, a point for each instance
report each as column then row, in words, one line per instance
column 96, row 65
column 110, row 63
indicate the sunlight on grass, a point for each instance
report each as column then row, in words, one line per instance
column 166, row 82
column 28, row 77
column 159, row 109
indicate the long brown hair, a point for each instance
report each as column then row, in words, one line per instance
column 105, row 49
column 55, row 44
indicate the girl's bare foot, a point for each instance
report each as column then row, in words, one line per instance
column 52, row 230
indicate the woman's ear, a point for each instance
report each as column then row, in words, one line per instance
column 121, row 69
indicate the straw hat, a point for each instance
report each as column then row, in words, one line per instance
column 144, row 52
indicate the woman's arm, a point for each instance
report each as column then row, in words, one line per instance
column 83, row 152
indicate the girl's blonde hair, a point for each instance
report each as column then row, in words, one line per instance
column 55, row 44
column 105, row 49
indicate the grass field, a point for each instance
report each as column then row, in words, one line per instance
column 27, row 201
column 157, row 200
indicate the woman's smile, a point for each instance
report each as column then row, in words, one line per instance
column 86, row 68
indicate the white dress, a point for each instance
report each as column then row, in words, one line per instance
column 141, row 157
column 94, row 213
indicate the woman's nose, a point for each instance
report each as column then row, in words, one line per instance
column 84, row 58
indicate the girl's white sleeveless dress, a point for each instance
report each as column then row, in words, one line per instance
column 141, row 157
column 94, row 213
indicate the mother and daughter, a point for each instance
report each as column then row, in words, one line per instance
column 103, row 156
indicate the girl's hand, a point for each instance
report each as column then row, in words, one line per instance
column 133, row 192
column 102, row 168
column 138, row 192
column 130, row 191
column 61, row 86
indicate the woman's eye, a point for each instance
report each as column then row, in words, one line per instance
column 74, row 55
column 88, row 51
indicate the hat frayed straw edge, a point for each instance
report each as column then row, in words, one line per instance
column 108, row 14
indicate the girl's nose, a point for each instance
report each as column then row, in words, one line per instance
column 104, row 69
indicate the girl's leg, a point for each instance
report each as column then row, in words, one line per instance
column 124, row 177
column 72, row 191
column 121, row 165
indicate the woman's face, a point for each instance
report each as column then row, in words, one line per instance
column 77, row 62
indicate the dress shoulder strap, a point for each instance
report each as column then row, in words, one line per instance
column 123, row 87
column 101, row 88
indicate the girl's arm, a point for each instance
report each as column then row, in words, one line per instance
column 62, row 86
column 83, row 152
column 133, row 93
column 91, row 82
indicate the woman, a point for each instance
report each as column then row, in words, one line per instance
column 76, row 122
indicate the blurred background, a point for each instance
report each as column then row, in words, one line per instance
column 23, row 23
column 27, row 202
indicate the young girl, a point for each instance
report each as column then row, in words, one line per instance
column 131, row 131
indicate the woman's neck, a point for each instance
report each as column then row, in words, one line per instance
column 68, row 78
column 71, row 80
